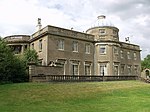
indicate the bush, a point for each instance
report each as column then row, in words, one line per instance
column 12, row 69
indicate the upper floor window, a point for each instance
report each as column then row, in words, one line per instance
column 115, row 50
column 40, row 45
column 121, row 53
column 102, row 31
column 61, row 44
column 128, row 55
column 102, row 50
column 87, row 48
column 135, row 56
column 75, row 46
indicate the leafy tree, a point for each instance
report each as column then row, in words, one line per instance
column 30, row 56
column 146, row 62
column 11, row 68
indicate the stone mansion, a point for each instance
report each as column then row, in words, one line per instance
column 98, row 51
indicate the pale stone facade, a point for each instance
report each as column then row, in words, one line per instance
column 96, row 52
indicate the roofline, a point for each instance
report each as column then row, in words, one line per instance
column 16, row 36
column 102, row 27
column 62, row 28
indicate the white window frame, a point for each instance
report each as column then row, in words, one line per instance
column 122, row 69
column 75, row 46
column 75, row 71
column 136, row 69
column 129, row 68
column 121, row 53
column 87, row 48
column 135, row 55
column 115, row 50
column 102, row 49
column 116, row 69
column 87, row 72
column 60, row 44
column 129, row 55
column 40, row 45
column 103, row 69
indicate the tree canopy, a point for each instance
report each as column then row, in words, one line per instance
column 146, row 62
column 30, row 56
column 12, row 69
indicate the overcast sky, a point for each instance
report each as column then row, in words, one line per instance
column 132, row 17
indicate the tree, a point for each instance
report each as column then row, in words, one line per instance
column 146, row 62
column 30, row 56
column 11, row 68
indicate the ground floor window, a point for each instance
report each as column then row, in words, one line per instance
column 103, row 69
column 129, row 69
column 116, row 70
column 122, row 69
column 87, row 69
column 136, row 69
column 75, row 69
column 62, row 62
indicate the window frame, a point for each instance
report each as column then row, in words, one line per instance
column 75, row 46
column 87, row 48
column 61, row 44
column 102, row 31
column 135, row 55
column 102, row 49
column 40, row 45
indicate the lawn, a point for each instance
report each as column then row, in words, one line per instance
column 121, row 96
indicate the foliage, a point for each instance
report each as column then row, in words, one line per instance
column 121, row 96
column 11, row 68
column 146, row 62
column 30, row 56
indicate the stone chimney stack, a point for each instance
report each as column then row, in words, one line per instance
column 39, row 25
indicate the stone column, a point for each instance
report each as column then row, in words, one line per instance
column 22, row 49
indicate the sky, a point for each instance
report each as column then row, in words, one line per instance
column 132, row 17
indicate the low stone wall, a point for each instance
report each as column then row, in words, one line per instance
column 40, row 71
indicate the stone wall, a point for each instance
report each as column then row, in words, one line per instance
column 38, row 70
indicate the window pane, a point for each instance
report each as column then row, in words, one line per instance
column 40, row 45
column 61, row 44
column 102, row 31
column 115, row 70
column 102, row 50
column 115, row 50
column 75, row 46
column 135, row 56
column 87, row 48
column 87, row 70
column 75, row 69
column 129, row 69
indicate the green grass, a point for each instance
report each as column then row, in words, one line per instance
column 121, row 96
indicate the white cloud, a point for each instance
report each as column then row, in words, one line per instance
column 131, row 17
